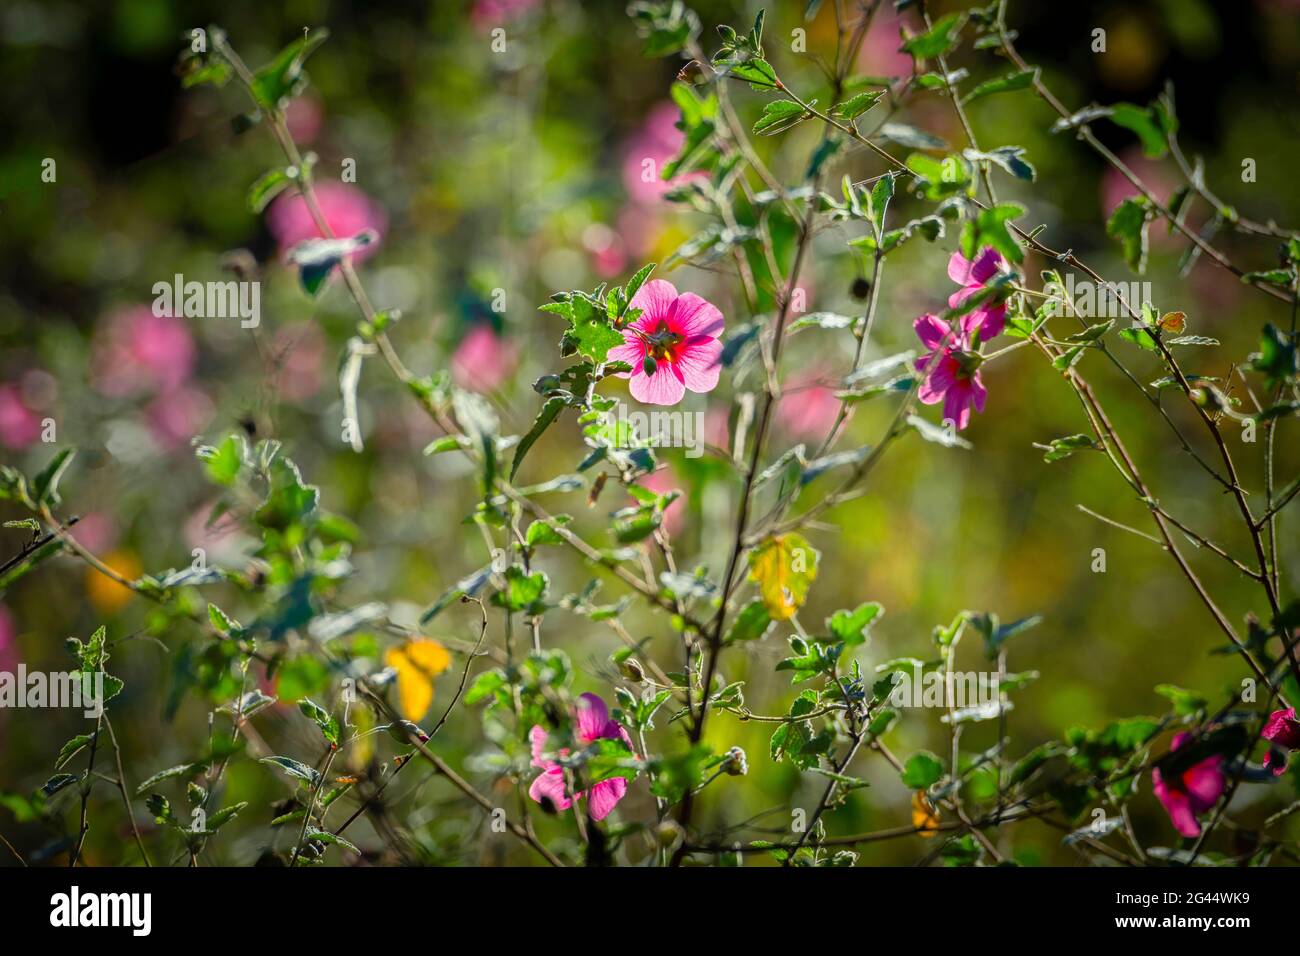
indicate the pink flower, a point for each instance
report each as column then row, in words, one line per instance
column 807, row 409
column 143, row 352
column 953, row 379
column 1283, row 733
column 483, row 360
column 491, row 13
column 648, row 151
column 8, row 644
column 671, row 346
column 662, row 481
column 880, row 54
column 96, row 532
column 972, row 276
column 177, row 416
column 1194, row 792
column 347, row 210
column 593, row 723
column 19, row 425
column 299, row 349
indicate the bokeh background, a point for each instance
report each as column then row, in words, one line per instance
column 520, row 171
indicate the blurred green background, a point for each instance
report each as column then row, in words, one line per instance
column 519, row 171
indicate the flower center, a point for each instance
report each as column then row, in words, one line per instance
column 662, row 341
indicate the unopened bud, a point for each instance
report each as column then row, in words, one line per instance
column 735, row 762
column 631, row 669
column 669, row 832
column 649, row 365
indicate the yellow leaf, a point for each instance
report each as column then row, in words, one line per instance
column 924, row 817
column 1173, row 322
column 784, row 567
column 417, row 663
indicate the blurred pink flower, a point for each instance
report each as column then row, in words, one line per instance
column 177, row 416
column 304, row 116
column 300, row 350
column 1155, row 174
column 676, row 335
column 662, row 481
column 8, row 641
column 345, row 207
column 1195, row 791
column 198, row 534
column 950, row 381
column 880, row 55
column 142, row 352
column 96, row 532
column 807, row 409
column 647, row 152
column 483, row 360
column 608, row 255
column 592, row 723
column 19, row 425
column 493, row 13
column 990, row 317
column 1282, row 731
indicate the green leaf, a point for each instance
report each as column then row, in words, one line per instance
column 71, row 749
column 752, row 623
column 57, row 783
column 1143, row 121
column 1060, row 448
column 316, row 258
column 224, row 461
column 757, row 72
column 45, row 486
column 1003, row 84
column 779, row 115
column 1128, row 224
column 857, row 104
column 938, row 40
column 1140, row 336
column 294, row 768
column 550, row 411
column 523, row 591
column 269, row 185
column 328, row 724
column 851, row 626
column 283, row 77
column 910, row 136
column 922, row 770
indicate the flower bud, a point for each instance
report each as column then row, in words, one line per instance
column 735, row 762
column 649, row 366
column 631, row 669
column 669, row 832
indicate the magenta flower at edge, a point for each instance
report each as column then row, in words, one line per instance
column 1193, row 792
column 672, row 346
column 971, row 275
column 592, row 723
column 951, row 380
column 1282, row 731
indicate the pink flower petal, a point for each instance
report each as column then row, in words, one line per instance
column 592, row 715
column 538, row 737
column 655, row 299
column 696, row 317
column 930, row 329
column 549, row 788
column 632, row 351
column 701, row 364
column 664, row 387
column 605, row 795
